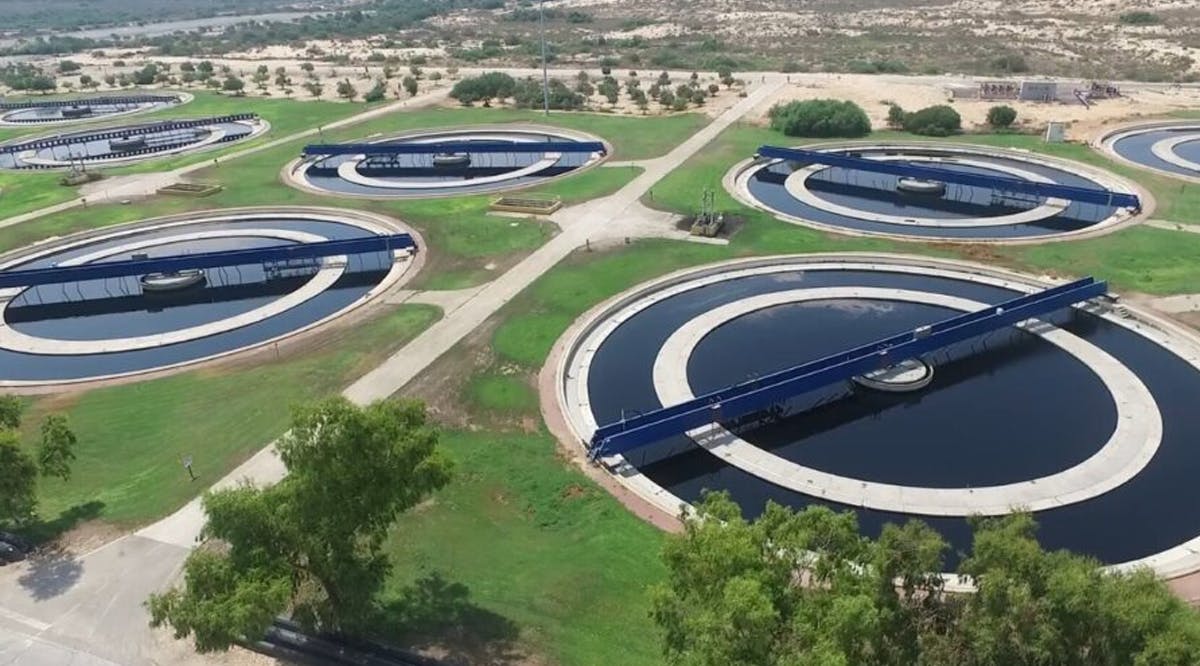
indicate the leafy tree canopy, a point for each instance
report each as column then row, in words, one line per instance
column 939, row 120
column 820, row 118
column 312, row 543
column 805, row 588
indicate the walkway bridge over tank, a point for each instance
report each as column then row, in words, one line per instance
column 762, row 393
column 275, row 254
column 995, row 182
column 453, row 147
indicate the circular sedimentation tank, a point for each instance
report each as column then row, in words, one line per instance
column 446, row 173
column 124, row 144
column 31, row 112
column 863, row 203
column 138, row 325
column 1085, row 417
column 1171, row 148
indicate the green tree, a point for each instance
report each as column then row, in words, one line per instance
column 347, row 90
column 233, row 84
column 939, row 120
column 10, row 412
column 805, row 588
column 56, row 451
column 735, row 594
column 377, row 93
column 313, row 543
column 410, row 85
column 314, row 88
column 146, row 75
column 18, row 481
column 820, row 118
column 896, row 116
column 1001, row 117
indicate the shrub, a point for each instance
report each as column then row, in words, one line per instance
column 483, row 88
column 820, row 118
column 896, row 116
column 1001, row 117
column 1139, row 18
column 1010, row 62
column 940, row 120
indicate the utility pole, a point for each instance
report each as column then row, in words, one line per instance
column 545, row 72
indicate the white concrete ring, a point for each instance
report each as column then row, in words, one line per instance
column 1130, row 448
column 1165, row 151
column 348, row 171
column 14, row 340
column 797, row 186
column 215, row 134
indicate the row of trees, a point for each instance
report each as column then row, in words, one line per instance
column 829, row 118
column 805, row 588
column 525, row 93
column 20, row 468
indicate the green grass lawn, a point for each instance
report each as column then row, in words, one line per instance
column 522, row 554
column 132, row 437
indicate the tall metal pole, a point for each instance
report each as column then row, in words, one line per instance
column 545, row 72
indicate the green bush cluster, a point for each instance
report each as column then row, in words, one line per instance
column 820, row 118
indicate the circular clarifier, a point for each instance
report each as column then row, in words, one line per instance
column 845, row 200
column 1170, row 148
column 446, row 174
column 109, row 146
column 84, row 109
column 1082, row 417
column 119, row 326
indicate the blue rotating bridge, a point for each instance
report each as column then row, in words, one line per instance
column 998, row 183
column 279, row 255
column 763, row 393
column 450, row 147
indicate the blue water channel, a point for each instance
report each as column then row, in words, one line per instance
column 1014, row 408
column 419, row 169
column 877, row 193
column 116, row 308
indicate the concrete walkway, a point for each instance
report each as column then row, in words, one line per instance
column 91, row 607
column 1173, row 226
column 139, row 185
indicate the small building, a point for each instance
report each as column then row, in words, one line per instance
column 1039, row 91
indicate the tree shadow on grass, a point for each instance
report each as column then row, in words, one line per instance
column 42, row 531
column 438, row 617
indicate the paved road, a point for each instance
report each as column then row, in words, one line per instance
column 87, row 611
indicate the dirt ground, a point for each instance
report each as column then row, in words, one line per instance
column 875, row 93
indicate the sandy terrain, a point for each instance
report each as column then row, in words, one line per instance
column 874, row 93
